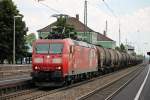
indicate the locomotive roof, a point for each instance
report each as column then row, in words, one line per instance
column 80, row 43
column 84, row 44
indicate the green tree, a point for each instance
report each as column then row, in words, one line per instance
column 30, row 38
column 7, row 12
column 117, row 48
column 121, row 48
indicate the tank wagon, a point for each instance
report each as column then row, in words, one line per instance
column 63, row 61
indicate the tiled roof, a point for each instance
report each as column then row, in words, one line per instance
column 101, row 37
column 79, row 26
column 47, row 28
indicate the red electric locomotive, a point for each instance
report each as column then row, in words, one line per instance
column 59, row 61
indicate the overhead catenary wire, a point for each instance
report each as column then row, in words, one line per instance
column 52, row 9
column 110, row 9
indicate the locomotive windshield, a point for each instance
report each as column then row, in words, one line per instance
column 42, row 48
column 53, row 48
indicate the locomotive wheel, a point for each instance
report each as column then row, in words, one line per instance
column 68, row 81
column 100, row 72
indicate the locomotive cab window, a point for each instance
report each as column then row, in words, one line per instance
column 42, row 48
column 56, row 48
column 53, row 48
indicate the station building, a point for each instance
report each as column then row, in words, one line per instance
column 83, row 33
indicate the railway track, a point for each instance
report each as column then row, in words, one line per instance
column 19, row 93
column 38, row 92
column 107, row 92
column 14, row 85
column 61, row 92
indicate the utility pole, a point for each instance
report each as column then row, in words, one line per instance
column 126, row 41
column 85, row 18
column 14, row 40
column 106, row 27
column 119, row 34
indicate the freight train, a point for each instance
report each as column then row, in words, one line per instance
column 63, row 61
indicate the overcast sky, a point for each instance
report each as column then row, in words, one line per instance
column 134, row 17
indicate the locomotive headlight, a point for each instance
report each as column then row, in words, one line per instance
column 38, row 60
column 48, row 56
column 58, row 67
column 36, row 67
column 57, row 60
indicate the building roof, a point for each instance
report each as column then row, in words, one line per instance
column 47, row 28
column 78, row 26
column 102, row 37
